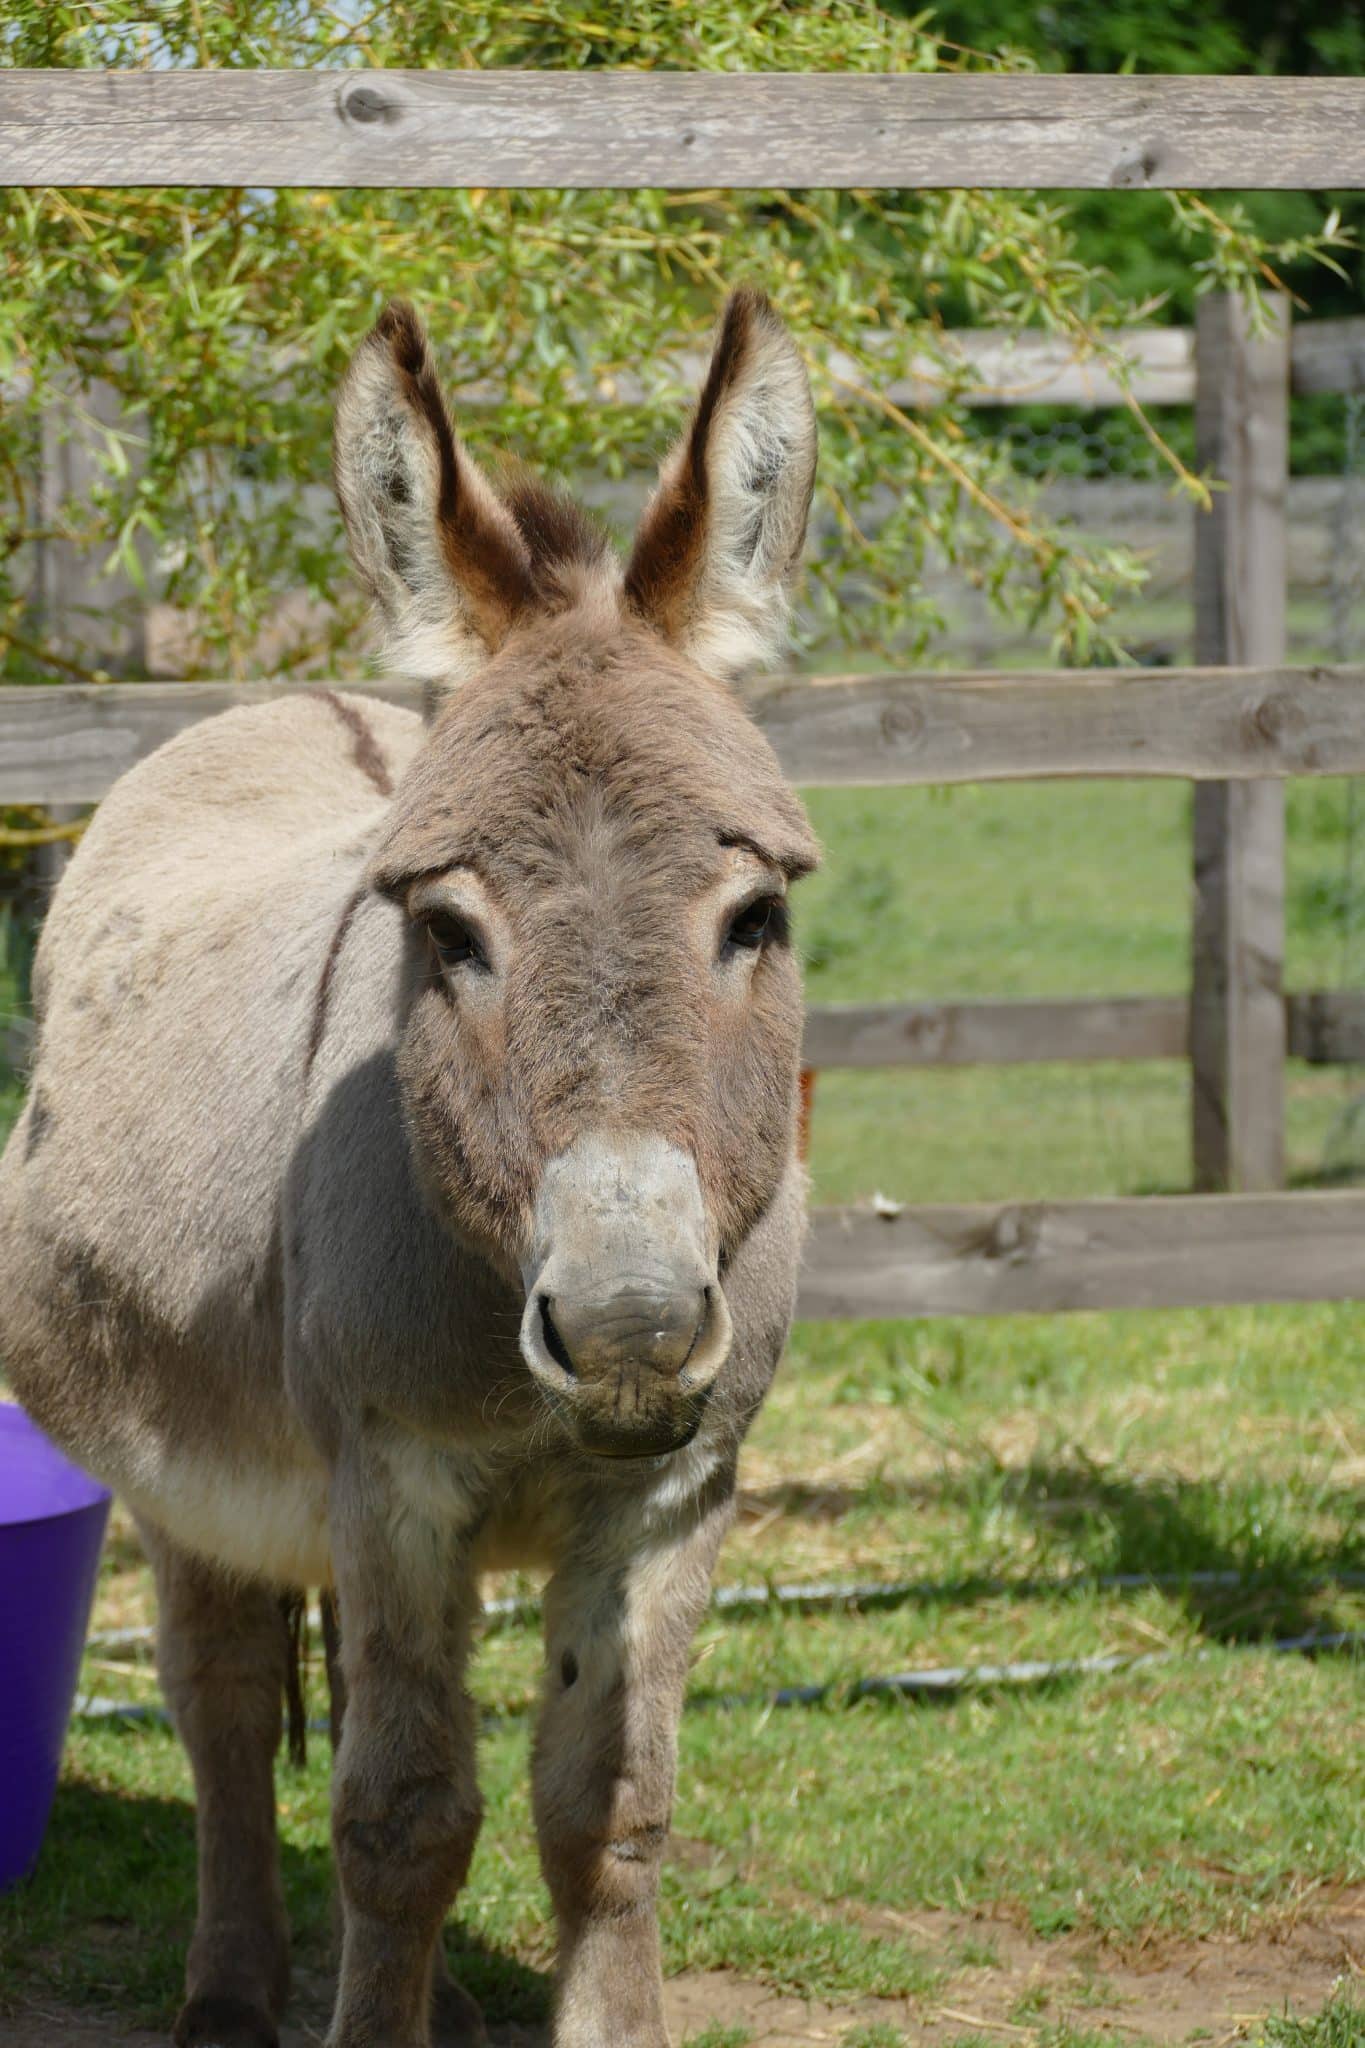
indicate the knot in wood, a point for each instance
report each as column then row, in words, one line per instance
column 1135, row 167
column 927, row 1027
column 366, row 103
column 902, row 723
column 1271, row 719
column 1013, row 1235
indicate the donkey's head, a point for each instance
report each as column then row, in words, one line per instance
column 594, row 849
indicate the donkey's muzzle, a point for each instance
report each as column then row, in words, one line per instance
column 626, row 1325
column 629, row 1370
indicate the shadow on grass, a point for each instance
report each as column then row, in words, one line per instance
column 106, row 1918
column 1283, row 1579
column 1289, row 1578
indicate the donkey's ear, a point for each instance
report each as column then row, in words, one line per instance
column 435, row 547
column 720, row 538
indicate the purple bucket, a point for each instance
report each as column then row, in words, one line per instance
column 52, row 1518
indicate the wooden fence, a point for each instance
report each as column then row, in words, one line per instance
column 676, row 130
column 1236, row 725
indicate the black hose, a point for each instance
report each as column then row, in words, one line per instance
column 934, row 1682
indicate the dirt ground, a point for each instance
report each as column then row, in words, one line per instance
column 1216, row 1990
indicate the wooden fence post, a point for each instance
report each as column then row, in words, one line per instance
column 87, row 614
column 1237, row 1015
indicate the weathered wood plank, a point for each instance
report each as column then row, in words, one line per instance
column 1237, row 1018
column 1025, row 366
column 68, row 743
column 1029, row 367
column 1326, row 1027
column 631, row 129
column 1196, row 724
column 1006, row 366
column 1039, row 1257
column 1327, row 355
column 16, row 1043
column 995, row 1033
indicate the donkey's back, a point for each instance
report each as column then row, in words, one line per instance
column 140, row 1192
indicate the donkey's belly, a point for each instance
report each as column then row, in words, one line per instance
column 269, row 1521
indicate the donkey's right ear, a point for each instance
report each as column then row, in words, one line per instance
column 433, row 544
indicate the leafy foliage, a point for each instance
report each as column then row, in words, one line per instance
column 1131, row 234
column 1154, row 35
column 222, row 320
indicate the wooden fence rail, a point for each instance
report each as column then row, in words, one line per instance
column 1032, row 368
column 1026, row 366
column 676, row 130
column 1326, row 1027
column 67, row 743
column 1018, row 366
column 1147, row 1251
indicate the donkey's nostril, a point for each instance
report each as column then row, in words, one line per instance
column 596, row 1333
column 554, row 1343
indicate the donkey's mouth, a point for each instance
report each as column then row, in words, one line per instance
column 631, row 1446
column 603, row 1428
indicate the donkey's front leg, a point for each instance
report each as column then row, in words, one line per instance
column 405, row 1807
column 221, row 1649
column 617, row 1639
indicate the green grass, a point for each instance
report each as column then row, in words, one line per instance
column 1116, row 1807
column 1341, row 2025
column 877, row 1849
column 1050, row 890
column 1195, row 1797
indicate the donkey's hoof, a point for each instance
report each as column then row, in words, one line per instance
column 224, row 2023
column 456, row 2020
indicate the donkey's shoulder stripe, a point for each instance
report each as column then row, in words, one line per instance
column 324, row 987
column 365, row 748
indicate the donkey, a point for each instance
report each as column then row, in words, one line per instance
column 408, row 1184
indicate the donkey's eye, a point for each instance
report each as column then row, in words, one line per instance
column 452, row 941
column 753, row 924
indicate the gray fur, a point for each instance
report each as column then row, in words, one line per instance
column 263, row 1271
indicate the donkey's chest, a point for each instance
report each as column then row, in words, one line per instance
column 512, row 1507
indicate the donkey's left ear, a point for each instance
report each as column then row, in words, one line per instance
column 721, row 537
